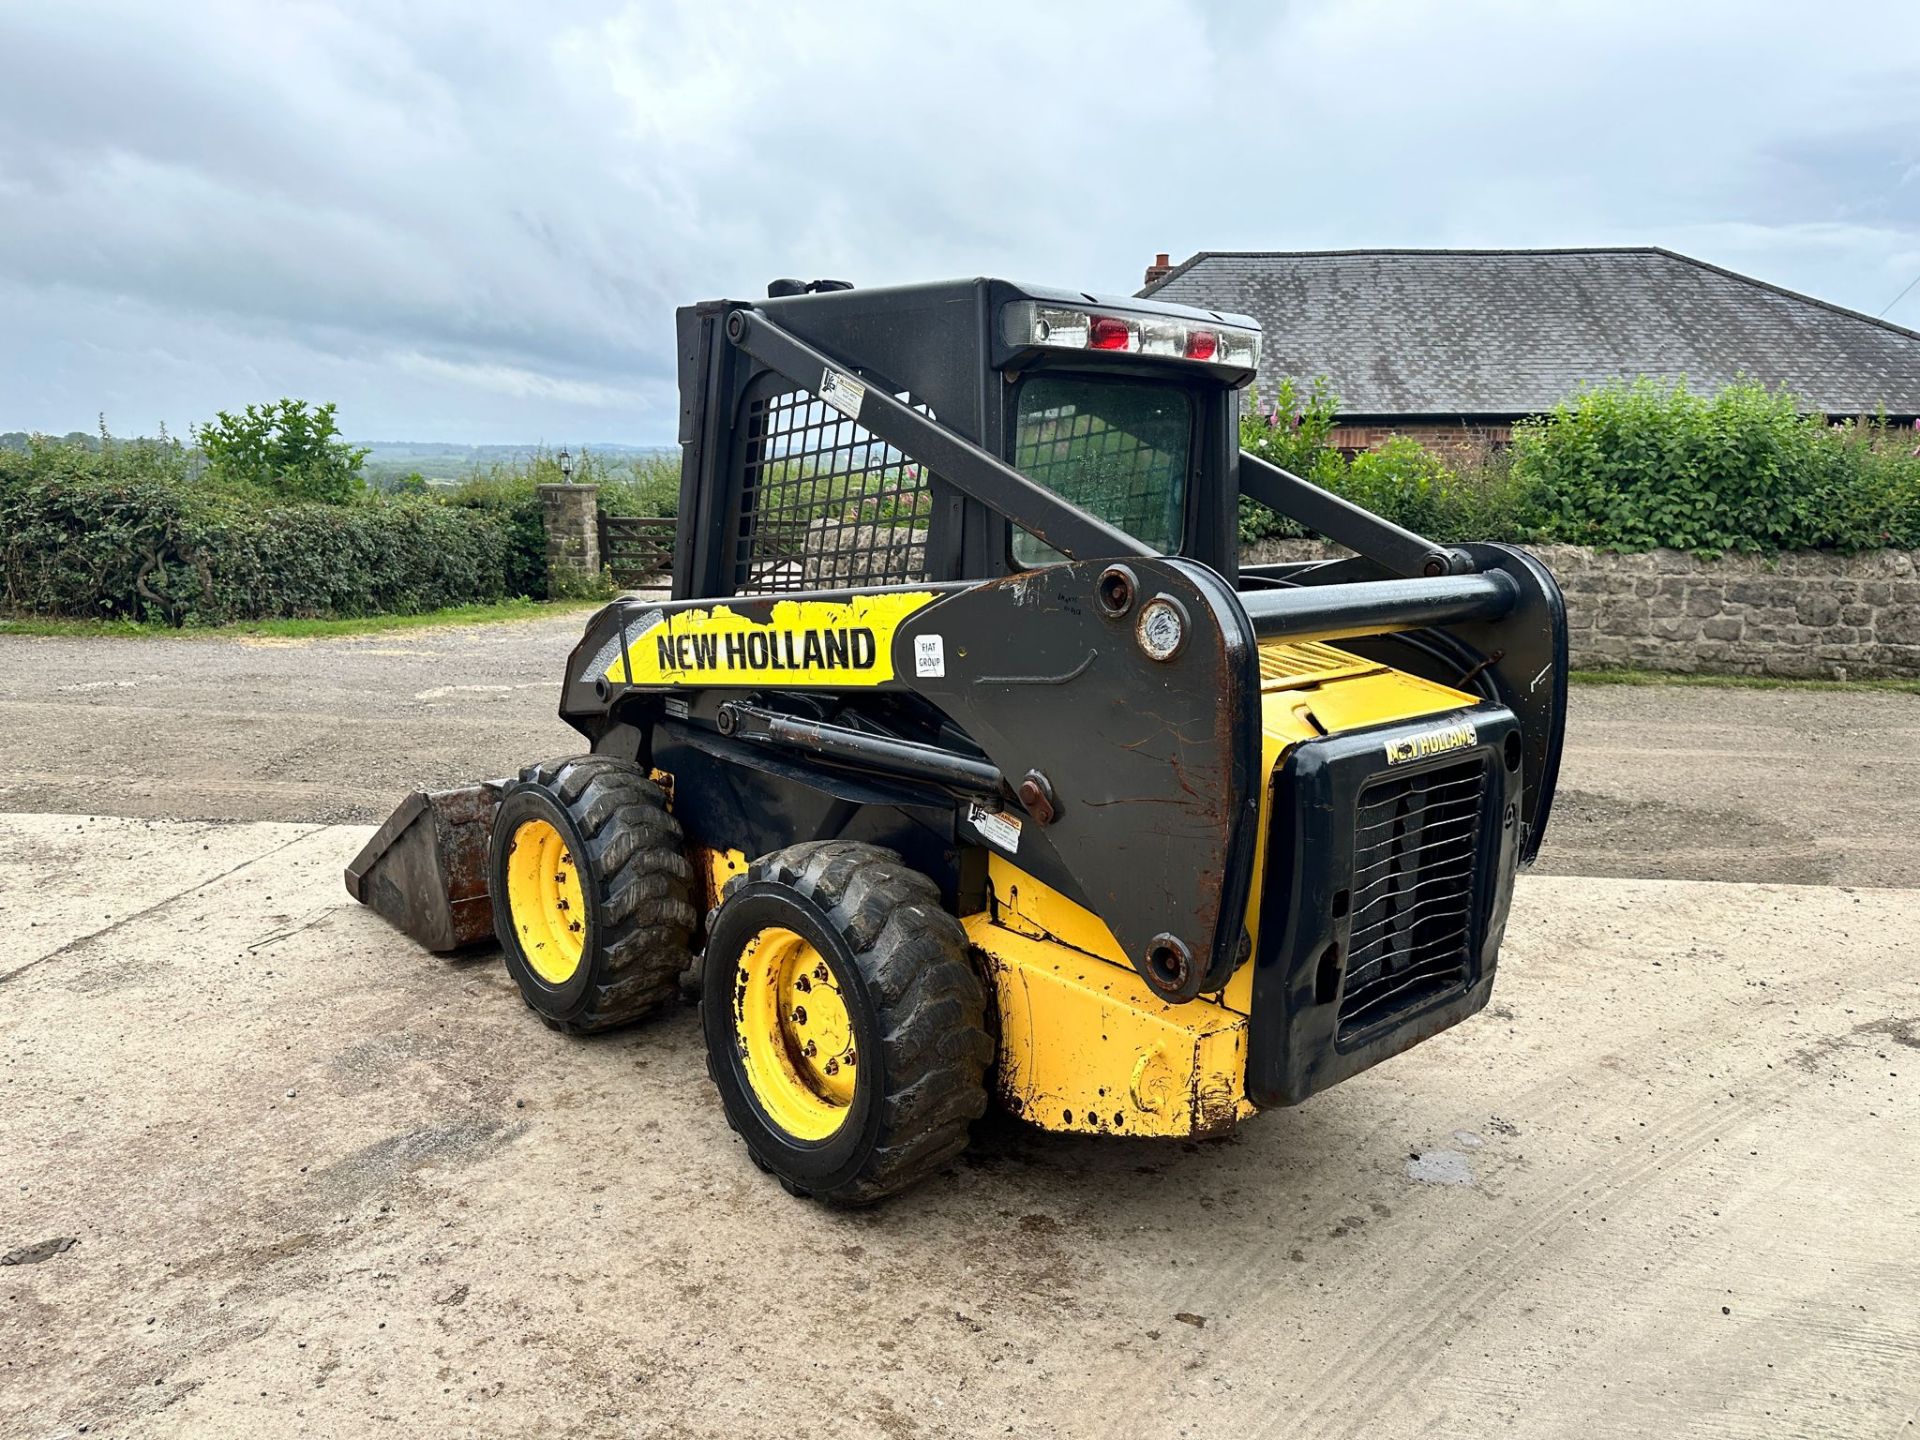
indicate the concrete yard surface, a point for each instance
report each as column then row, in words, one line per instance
column 318, row 1182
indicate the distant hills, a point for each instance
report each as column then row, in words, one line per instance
column 441, row 460
column 431, row 459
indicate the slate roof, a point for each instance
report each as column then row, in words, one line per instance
column 1502, row 333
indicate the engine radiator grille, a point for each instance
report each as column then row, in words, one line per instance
column 1416, row 840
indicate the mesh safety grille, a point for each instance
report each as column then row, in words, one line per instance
column 1121, row 478
column 1415, row 843
column 825, row 504
column 1117, row 450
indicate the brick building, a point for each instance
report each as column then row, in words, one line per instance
column 1453, row 346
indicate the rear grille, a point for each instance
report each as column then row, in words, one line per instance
column 1416, row 840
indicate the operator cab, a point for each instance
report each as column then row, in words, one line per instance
column 1126, row 408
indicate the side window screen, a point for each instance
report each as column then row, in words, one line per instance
column 825, row 504
column 1116, row 448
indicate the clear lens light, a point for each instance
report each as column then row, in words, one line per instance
column 1163, row 337
column 1030, row 324
column 1160, row 629
column 1238, row 347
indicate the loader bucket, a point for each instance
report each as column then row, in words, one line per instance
column 425, row 870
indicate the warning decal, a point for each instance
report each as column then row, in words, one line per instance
column 842, row 392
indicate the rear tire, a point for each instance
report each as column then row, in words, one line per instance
column 849, row 930
column 589, row 878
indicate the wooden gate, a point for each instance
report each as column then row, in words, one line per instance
column 638, row 549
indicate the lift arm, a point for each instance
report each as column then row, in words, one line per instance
column 1344, row 523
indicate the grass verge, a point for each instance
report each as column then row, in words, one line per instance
column 1736, row 682
column 303, row 629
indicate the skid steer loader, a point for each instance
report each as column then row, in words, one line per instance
column 967, row 763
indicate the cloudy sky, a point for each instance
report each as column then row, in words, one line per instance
column 472, row 222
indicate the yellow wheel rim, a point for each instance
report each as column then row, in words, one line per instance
column 794, row 1035
column 543, row 897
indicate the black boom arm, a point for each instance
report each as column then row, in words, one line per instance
column 1344, row 523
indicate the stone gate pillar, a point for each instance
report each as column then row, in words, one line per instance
column 572, row 516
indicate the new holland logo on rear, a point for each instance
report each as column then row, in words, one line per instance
column 850, row 647
column 800, row 642
column 1431, row 742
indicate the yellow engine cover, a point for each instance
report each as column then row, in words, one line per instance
column 1085, row 1046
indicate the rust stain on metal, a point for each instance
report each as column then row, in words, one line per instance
column 425, row 869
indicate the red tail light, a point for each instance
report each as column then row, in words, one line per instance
column 1201, row 344
column 1107, row 333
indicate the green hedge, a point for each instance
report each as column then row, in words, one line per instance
column 512, row 503
column 1623, row 467
column 105, row 543
column 146, row 530
column 1629, row 467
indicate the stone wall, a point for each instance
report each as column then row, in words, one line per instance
column 1810, row 615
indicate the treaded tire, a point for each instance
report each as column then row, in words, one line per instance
column 917, row 1009
column 630, row 856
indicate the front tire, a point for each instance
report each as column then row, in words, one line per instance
column 845, row 1027
column 589, row 878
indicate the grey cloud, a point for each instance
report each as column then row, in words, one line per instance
column 474, row 222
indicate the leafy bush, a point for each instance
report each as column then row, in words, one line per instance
column 648, row 485
column 381, row 557
column 124, row 534
column 83, row 533
column 1884, row 498
column 1401, row 480
column 1632, row 466
column 285, row 449
column 1292, row 431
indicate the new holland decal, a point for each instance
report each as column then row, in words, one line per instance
column 801, row 642
column 1431, row 742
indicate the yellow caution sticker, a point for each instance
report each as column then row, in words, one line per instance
column 830, row 643
column 1420, row 745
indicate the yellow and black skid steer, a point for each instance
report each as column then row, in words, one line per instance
column 967, row 763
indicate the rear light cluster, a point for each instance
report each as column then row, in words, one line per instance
column 1027, row 322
